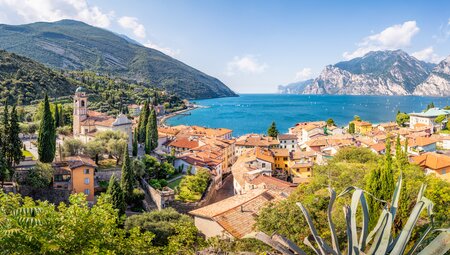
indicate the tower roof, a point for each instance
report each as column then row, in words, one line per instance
column 80, row 89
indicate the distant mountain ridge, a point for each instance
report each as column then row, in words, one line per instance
column 295, row 87
column 438, row 82
column 382, row 73
column 74, row 45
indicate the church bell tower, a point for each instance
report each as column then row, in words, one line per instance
column 79, row 109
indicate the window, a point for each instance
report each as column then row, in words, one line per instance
column 87, row 191
column 263, row 165
column 285, row 158
column 87, row 180
column 86, row 171
column 443, row 171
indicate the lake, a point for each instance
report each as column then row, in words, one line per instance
column 253, row 113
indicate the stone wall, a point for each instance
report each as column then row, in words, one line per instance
column 160, row 197
column 105, row 175
column 54, row 196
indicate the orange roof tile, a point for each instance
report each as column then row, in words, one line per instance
column 184, row 143
column 432, row 160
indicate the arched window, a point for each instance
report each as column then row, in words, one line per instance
column 82, row 103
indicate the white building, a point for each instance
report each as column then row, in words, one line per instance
column 420, row 119
column 287, row 141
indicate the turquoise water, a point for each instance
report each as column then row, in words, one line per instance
column 253, row 113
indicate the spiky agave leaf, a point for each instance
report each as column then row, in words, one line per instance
column 380, row 237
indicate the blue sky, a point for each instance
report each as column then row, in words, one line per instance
column 253, row 46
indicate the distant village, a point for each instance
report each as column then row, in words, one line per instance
column 246, row 172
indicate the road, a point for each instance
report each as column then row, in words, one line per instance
column 33, row 149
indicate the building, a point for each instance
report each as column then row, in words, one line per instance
column 190, row 162
column 75, row 174
column 434, row 163
column 87, row 123
column 287, row 141
column 251, row 141
column 250, row 165
column 281, row 158
column 362, row 127
column 388, row 127
column 234, row 217
column 421, row 144
column 427, row 118
column 301, row 165
column 183, row 144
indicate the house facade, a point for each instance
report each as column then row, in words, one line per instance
column 75, row 174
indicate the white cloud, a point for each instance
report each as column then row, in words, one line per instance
column 393, row 37
column 27, row 11
column 428, row 55
column 165, row 50
column 132, row 24
column 246, row 64
column 304, row 74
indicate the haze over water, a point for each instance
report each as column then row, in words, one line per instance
column 252, row 113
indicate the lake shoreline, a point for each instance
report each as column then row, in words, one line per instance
column 163, row 120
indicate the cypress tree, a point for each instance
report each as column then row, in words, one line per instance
column 14, row 155
column 135, row 142
column 47, row 135
column 351, row 128
column 143, row 119
column 57, row 120
column 273, row 131
column 4, row 169
column 116, row 195
column 5, row 130
column 400, row 155
column 387, row 174
column 126, row 182
column 61, row 116
column 151, row 137
column 380, row 183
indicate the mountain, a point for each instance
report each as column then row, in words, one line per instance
column 295, row 87
column 438, row 82
column 74, row 45
column 376, row 73
column 25, row 80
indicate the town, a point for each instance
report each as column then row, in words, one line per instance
column 220, row 180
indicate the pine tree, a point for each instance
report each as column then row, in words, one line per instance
column 116, row 195
column 151, row 137
column 14, row 155
column 127, row 180
column 135, row 142
column 143, row 119
column 57, row 120
column 272, row 131
column 47, row 135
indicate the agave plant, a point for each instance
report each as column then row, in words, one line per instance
column 379, row 241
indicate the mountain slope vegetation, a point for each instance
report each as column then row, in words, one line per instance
column 74, row 45
column 23, row 80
